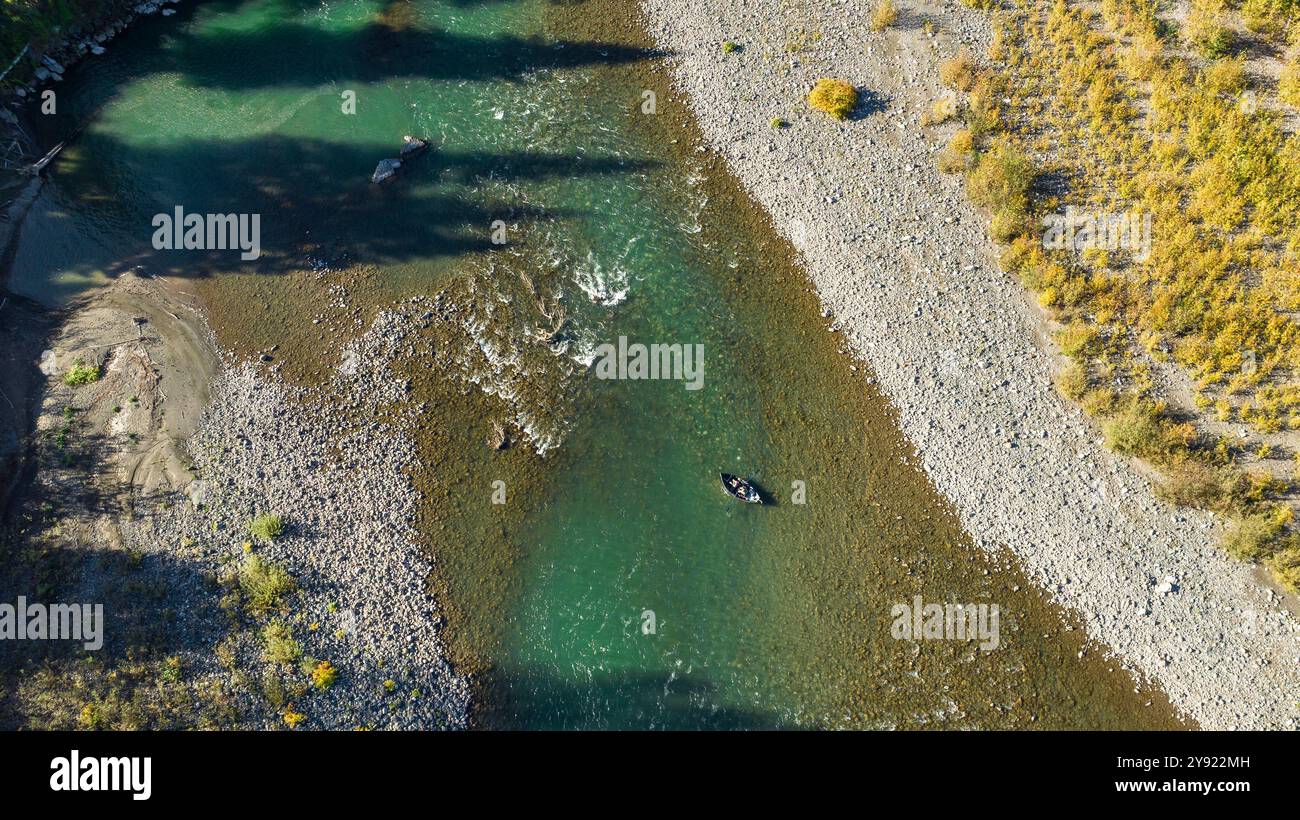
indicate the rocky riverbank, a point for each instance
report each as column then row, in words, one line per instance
column 338, row 475
column 334, row 462
column 906, row 272
column 21, row 82
column 149, row 471
column 31, row 71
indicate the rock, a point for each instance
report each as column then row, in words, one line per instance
column 500, row 439
column 412, row 146
column 385, row 170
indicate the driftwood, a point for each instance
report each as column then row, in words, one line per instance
column 47, row 159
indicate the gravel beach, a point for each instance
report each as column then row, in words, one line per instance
column 171, row 452
column 907, row 274
column 334, row 461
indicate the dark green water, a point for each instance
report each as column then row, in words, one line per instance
column 776, row 616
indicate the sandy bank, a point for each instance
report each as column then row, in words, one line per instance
column 903, row 263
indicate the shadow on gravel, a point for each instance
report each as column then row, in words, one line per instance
column 26, row 329
column 1052, row 183
column 154, row 606
column 909, row 20
column 869, row 103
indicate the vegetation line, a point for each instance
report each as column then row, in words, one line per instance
column 1183, row 346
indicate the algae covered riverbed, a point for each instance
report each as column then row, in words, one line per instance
column 595, row 574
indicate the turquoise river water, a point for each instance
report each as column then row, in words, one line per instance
column 623, row 589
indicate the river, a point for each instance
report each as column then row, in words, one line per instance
column 616, row 586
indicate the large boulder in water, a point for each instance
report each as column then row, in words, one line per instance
column 412, row 146
column 386, row 170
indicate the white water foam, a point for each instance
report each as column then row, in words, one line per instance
column 604, row 286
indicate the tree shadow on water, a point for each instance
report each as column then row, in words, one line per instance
column 315, row 200
column 314, row 195
column 537, row 699
column 374, row 53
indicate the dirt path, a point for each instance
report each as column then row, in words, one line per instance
column 157, row 360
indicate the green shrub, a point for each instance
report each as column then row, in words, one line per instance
column 1000, row 180
column 982, row 116
column 1099, row 401
column 941, row 110
column 1190, row 483
column 1253, row 536
column 1288, row 83
column 264, row 585
column 835, row 97
column 1205, row 30
column 1072, row 381
column 1134, row 431
column 1285, row 566
column 81, row 373
column 957, row 156
column 267, row 527
column 1139, row 428
column 171, row 670
column 281, row 647
column 959, row 71
column 1264, row 16
column 1078, row 339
